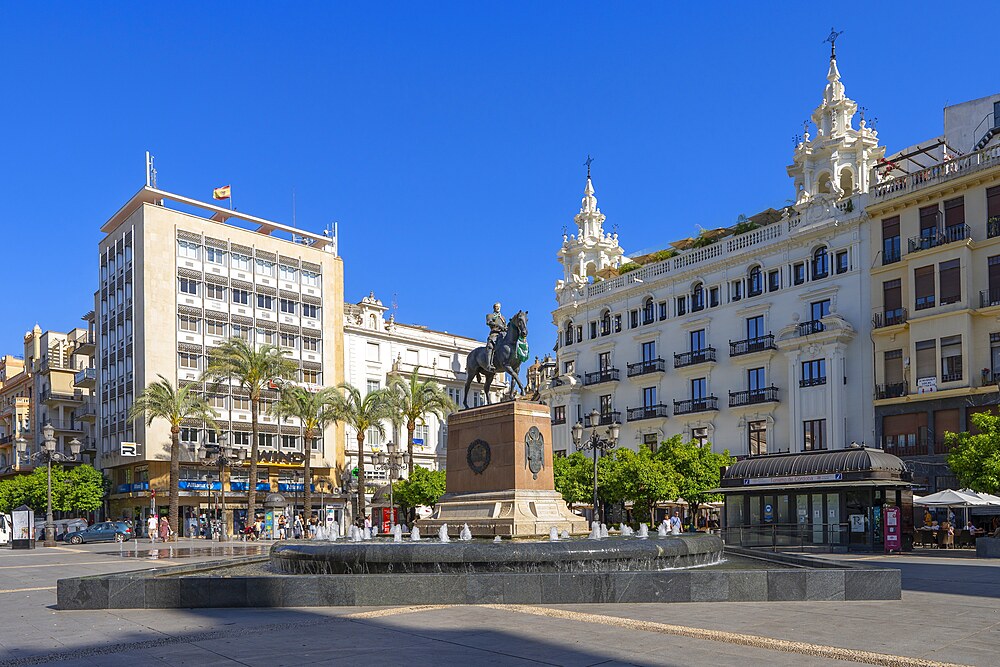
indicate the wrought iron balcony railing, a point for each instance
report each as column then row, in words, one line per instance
column 751, row 345
column 692, row 405
column 682, row 359
column 753, row 396
column 651, row 366
column 889, row 318
column 892, row 390
column 810, row 327
column 606, row 375
column 647, row 412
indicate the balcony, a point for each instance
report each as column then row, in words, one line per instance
column 890, row 318
column 955, row 167
column 891, row 257
column 89, row 412
column 64, row 425
column 643, row 367
column 955, row 376
column 85, row 345
column 606, row 375
column 894, row 390
column 990, row 297
column 751, row 345
column 934, row 238
column 693, row 405
column 810, row 327
column 611, row 417
column 739, row 399
column 993, row 227
column 49, row 395
column 693, row 357
column 812, row 382
column 85, row 377
column 657, row 411
column 557, row 421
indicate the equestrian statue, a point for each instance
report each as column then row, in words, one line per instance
column 506, row 348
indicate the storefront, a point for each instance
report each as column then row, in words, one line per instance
column 826, row 499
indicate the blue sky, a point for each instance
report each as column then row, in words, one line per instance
column 446, row 139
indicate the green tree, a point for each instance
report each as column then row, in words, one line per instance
column 316, row 411
column 975, row 459
column 161, row 400
column 574, row 477
column 697, row 469
column 23, row 490
column 640, row 477
column 422, row 487
column 252, row 370
column 413, row 400
column 361, row 414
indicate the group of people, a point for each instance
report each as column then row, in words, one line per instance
column 158, row 528
column 945, row 530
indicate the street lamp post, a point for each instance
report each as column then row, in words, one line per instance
column 596, row 443
column 392, row 462
column 226, row 457
column 47, row 455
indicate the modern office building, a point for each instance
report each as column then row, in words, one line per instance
column 177, row 276
column 753, row 337
column 377, row 349
column 935, row 288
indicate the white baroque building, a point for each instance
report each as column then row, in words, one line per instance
column 376, row 349
column 755, row 338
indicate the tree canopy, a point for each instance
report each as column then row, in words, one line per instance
column 574, row 477
column 975, row 458
column 640, row 477
column 76, row 489
column 423, row 487
column 697, row 469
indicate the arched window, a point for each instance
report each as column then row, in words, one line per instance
column 605, row 323
column 647, row 311
column 824, row 183
column 820, row 263
column 697, row 297
column 847, row 182
column 569, row 332
column 755, row 281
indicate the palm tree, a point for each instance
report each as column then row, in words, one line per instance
column 316, row 410
column 362, row 414
column 413, row 400
column 253, row 370
column 161, row 401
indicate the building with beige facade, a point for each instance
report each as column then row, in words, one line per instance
column 935, row 288
column 178, row 276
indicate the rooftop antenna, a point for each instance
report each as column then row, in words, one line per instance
column 150, row 171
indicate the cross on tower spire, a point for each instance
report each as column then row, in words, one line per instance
column 832, row 38
column 587, row 162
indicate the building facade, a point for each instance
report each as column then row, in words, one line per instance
column 754, row 337
column 377, row 349
column 175, row 283
column 935, row 289
column 16, row 400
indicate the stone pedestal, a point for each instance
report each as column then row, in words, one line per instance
column 499, row 475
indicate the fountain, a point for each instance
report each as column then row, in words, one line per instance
column 553, row 534
column 675, row 528
column 643, row 531
column 414, row 534
column 565, row 535
column 498, row 539
column 595, row 532
column 624, row 530
column 604, row 531
column 466, row 534
column 661, row 530
column 443, row 533
column 397, row 533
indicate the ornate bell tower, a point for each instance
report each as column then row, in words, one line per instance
column 836, row 163
column 589, row 251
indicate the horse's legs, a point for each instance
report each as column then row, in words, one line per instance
column 486, row 389
column 469, row 375
column 510, row 372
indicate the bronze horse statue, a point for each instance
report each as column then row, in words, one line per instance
column 509, row 352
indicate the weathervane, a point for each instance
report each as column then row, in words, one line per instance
column 832, row 38
column 587, row 162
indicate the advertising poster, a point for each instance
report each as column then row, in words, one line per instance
column 891, row 530
column 389, row 517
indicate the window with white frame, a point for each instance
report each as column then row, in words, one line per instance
column 287, row 306
column 241, row 439
column 188, row 360
column 310, row 278
column 289, row 442
column 241, row 403
column 265, row 268
column 188, row 250
column 265, row 302
column 189, row 324
column 242, row 332
column 189, row 435
column 310, row 344
column 217, row 401
column 217, row 292
column 214, row 255
column 265, row 337
column 289, row 341
column 240, row 262
column 241, row 296
column 266, row 440
column 213, row 328
column 310, row 310
column 311, row 377
column 189, row 286
column 287, row 273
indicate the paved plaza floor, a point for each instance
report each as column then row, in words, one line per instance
column 950, row 613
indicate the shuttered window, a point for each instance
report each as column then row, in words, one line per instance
column 954, row 212
column 993, row 264
column 892, row 295
column 950, row 277
column 993, row 202
column 951, row 359
column 945, row 421
column 923, row 284
column 928, row 220
column 893, row 367
column 926, row 359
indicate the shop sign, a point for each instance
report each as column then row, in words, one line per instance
column 198, row 485
column 129, row 449
column 281, row 458
column 926, row 385
column 242, row 486
column 857, row 523
column 794, row 479
column 124, row 488
column 140, row 486
column 292, row 486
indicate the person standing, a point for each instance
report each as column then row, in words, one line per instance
column 151, row 523
column 164, row 529
column 675, row 523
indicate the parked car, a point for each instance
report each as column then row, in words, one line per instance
column 63, row 527
column 106, row 531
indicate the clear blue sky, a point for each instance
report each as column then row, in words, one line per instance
column 434, row 132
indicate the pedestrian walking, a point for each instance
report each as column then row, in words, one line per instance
column 151, row 524
column 164, row 529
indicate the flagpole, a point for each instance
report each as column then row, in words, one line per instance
column 230, row 198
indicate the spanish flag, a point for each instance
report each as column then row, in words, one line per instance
column 221, row 193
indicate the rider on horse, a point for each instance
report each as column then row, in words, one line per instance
column 498, row 326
